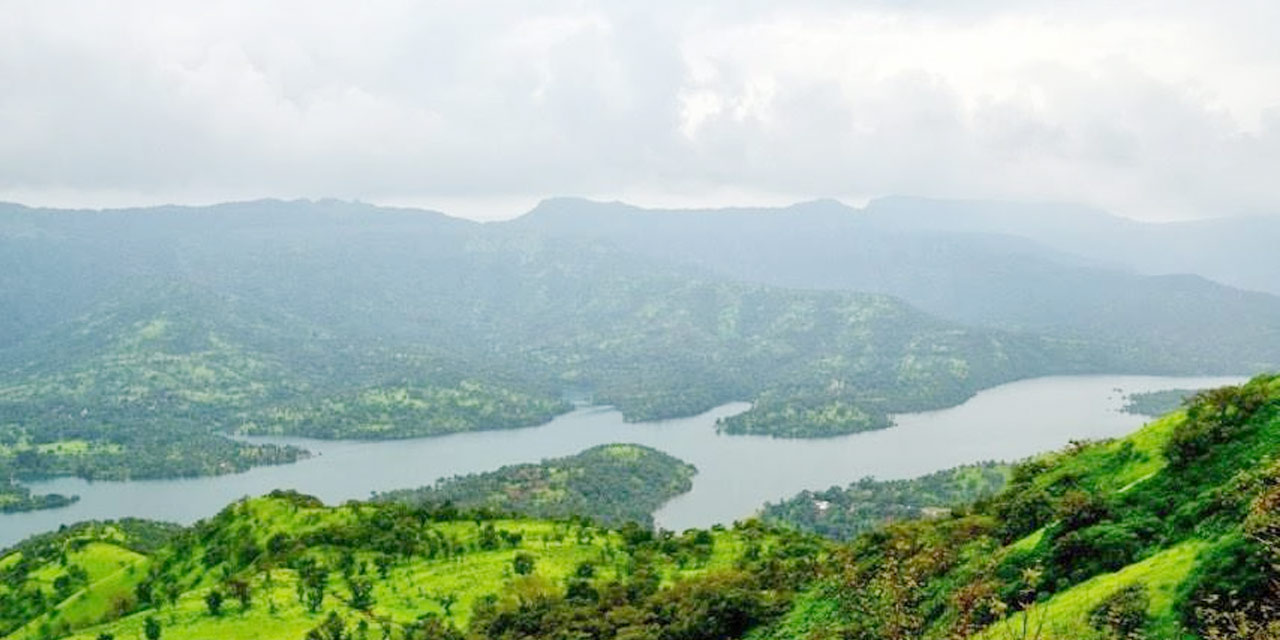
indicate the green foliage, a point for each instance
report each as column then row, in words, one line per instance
column 151, row 628
column 1213, row 417
column 523, row 564
column 1184, row 508
column 870, row 503
column 344, row 321
column 213, row 600
column 567, row 577
column 15, row 498
column 39, row 573
column 1157, row 403
column 612, row 483
column 1102, row 539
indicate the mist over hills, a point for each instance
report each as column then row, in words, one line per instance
column 972, row 263
column 137, row 330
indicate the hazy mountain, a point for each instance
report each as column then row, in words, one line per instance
column 1237, row 250
column 984, row 278
column 137, row 332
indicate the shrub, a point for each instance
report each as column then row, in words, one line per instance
column 1123, row 613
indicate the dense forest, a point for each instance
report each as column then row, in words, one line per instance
column 1170, row 532
column 870, row 503
column 611, row 484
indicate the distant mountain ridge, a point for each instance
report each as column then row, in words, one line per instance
column 955, row 266
column 133, row 333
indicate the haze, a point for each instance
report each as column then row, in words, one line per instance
column 1156, row 110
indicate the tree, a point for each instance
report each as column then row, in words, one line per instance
column 361, row 593
column 151, row 628
column 447, row 601
column 214, row 602
column 383, row 563
column 333, row 628
column 523, row 563
column 240, row 591
column 313, row 586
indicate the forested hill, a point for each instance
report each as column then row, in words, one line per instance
column 612, row 484
column 139, row 337
column 987, row 272
column 1172, row 532
column 133, row 340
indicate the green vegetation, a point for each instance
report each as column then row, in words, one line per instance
column 50, row 574
column 406, row 412
column 15, row 497
column 1172, row 532
column 1157, row 403
column 345, row 321
column 869, row 503
column 146, row 386
column 286, row 567
column 613, row 484
column 147, row 336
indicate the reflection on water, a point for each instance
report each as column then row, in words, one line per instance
column 736, row 474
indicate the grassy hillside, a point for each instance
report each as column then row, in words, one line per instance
column 280, row 566
column 69, row 575
column 1169, row 533
column 612, row 484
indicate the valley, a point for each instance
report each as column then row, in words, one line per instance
column 1167, row 530
column 736, row 474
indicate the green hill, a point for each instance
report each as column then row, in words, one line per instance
column 612, row 483
column 1171, row 532
column 283, row 565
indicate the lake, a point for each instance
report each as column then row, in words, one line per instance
column 736, row 474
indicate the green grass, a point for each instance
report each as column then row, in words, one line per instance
column 1120, row 464
column 1066, row 614
column 113, row 572
column 413, row 586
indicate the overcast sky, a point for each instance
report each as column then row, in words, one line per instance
column 1157, row 110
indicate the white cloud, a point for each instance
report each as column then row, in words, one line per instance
column 1150, row 109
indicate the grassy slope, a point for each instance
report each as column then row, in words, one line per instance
column 1195, row 508
column 1066, row 614
column 1105, row 468
column 413, row 587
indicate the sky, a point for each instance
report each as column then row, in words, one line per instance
column 1153, row 110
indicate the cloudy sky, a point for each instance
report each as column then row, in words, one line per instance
column 1158, row 110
